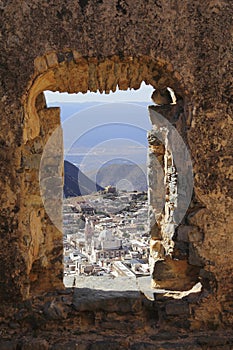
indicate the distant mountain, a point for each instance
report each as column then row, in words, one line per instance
column 76, row 183
column 120, row 130
column 121, row 175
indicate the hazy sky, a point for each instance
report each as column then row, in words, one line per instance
column 141, row 95
column 114, row 127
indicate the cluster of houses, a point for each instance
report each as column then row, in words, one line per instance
column 106, row 234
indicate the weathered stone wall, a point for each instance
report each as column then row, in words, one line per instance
column 63, row 71
column 80, row 45
column 176, row 265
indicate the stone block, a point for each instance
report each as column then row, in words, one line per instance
column 174, row 275
column 71, row 345
column 50, row 118
column 155, row 232
column 176, row 308
column 51, row 59
column 189, row 233
column 32, row 161
column 208, row 280
column 214, row 341
column 108, row 301
column 8, row 345
column 194, row 258
column 157, row 249
column 40, row 64
column 195, row 235
column 54, row 311
column 180, row 250
column 105, row 344
column 77, row 56
column 92, row 82
column 182, row 233
column 143, row 346
column 35, row 344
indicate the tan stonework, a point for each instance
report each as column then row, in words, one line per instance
column 102, row 45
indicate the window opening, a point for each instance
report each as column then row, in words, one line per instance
column 105, row 207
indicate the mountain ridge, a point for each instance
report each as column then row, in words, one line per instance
column 76, row 183
column 123, row 173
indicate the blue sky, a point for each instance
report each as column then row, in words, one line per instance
column 141, row 95
column 102, row 127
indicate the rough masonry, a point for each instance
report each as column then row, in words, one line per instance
column 80, row 46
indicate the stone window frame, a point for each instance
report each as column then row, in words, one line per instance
column 69, row 72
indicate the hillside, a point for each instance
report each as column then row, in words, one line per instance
column 112, row 174
column 76, row 183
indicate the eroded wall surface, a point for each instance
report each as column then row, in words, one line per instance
column 184, row 45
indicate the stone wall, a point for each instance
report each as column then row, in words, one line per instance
column 94, row 45
column 176, row 264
